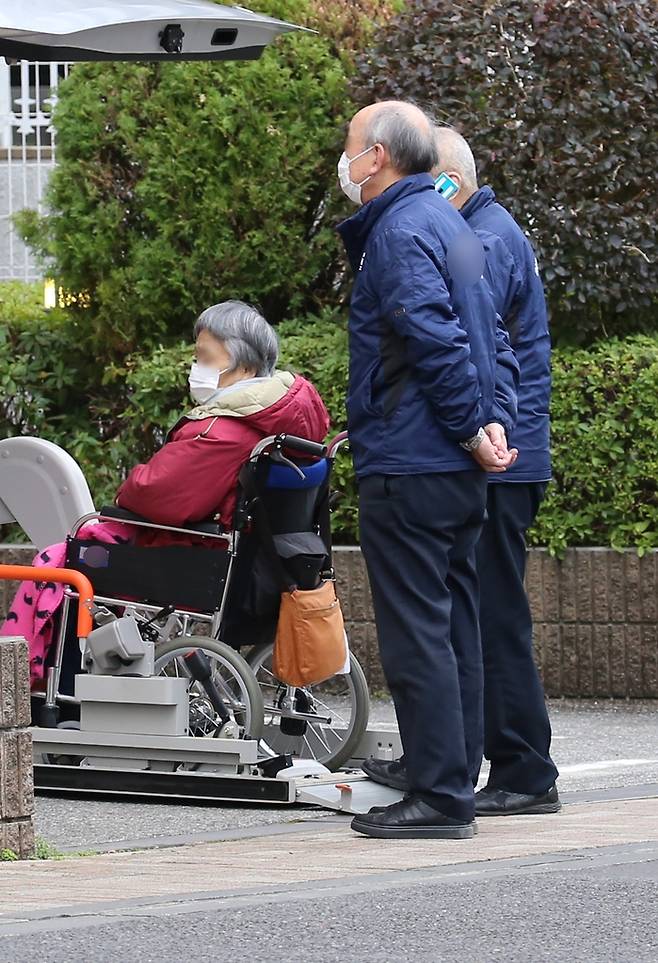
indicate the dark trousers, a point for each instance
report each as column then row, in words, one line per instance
column 418, row 536
column 517, row 731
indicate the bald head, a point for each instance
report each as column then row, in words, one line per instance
column 456, row 159
column 403, row 129
column 399, row 140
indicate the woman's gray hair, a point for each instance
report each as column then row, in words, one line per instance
column 407, row 133
column 249, row 340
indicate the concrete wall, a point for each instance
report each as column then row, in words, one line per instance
column 596, row 619
column 595, row 612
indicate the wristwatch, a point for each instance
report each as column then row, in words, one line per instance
column 470, row 444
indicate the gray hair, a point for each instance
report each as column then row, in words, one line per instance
column 249, row 340
column 398, row 126
column 456, row 155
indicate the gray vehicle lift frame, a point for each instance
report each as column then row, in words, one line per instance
column 229, row 770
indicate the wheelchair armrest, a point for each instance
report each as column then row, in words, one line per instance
column 195, row 528
column 121, row 514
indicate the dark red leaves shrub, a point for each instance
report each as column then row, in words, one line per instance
column 560, row 103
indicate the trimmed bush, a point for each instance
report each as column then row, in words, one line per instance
column 180, row 185
column 605, row 458
column 604, row 447
column 604, row 450
column 187, row 184
column 318, row 350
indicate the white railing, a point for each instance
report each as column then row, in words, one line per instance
column 28, row 93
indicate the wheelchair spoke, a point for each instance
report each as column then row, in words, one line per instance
column 338, row 703
column 316, row 732
column 204, row 714
column 308, row 746
column 324, row 709
column 232, row 688
column 229, row 697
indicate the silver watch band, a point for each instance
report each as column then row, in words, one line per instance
column 470, row 444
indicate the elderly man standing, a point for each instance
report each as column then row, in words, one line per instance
column 428, row 373
column 517, row 728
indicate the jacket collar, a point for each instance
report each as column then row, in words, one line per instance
column 249, row 398
column 482, row 198
column 245, row 398
column 355, row 230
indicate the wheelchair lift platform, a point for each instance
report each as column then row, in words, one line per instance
column 203, row 770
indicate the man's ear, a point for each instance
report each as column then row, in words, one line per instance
column 456, row 177
column 380, row 159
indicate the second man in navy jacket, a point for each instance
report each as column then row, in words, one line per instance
column 517, row 728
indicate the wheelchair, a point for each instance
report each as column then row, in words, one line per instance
column 211, row 607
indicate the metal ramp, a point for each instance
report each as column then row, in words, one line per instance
column 207, row 770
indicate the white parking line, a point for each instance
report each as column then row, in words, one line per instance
column 606, row 764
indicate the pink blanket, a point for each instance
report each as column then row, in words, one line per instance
column 36, row 604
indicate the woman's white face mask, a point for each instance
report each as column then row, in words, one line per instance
column 204, row 381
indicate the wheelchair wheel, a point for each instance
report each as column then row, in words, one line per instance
column 344, row 699
column 233, row 677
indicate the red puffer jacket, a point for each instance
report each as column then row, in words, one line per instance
column 194, row 475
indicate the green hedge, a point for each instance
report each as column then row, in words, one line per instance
column 604, row 447
column 605, row 456
column 109, row 416
column 182, row 184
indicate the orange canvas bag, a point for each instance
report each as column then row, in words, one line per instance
column 310, row 639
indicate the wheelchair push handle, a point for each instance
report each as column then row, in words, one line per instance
column 302, row 445
column 337, row 443
column 66, row 576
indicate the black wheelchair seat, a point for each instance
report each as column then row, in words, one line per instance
column 194, row 528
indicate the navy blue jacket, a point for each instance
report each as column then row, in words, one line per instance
column 519, row 298
column 429, row 365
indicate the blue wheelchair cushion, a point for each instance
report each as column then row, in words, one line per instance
column 282, row 477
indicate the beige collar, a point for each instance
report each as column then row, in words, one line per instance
column 247, row 399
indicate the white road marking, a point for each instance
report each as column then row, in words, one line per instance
column 606, row 764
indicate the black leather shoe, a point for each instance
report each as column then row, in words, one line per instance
column 391, row 773
column 411, row 818
column 499, row 802
column 381, row 809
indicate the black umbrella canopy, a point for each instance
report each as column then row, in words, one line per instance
column 75, row 30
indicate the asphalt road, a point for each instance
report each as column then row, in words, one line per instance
column 597, row 907
column 592, row 905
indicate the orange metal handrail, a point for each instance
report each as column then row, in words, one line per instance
column 67, row 576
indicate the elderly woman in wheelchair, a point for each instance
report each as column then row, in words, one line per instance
column 254, row 436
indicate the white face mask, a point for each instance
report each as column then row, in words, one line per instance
column 348, row 187
column 204, row 381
